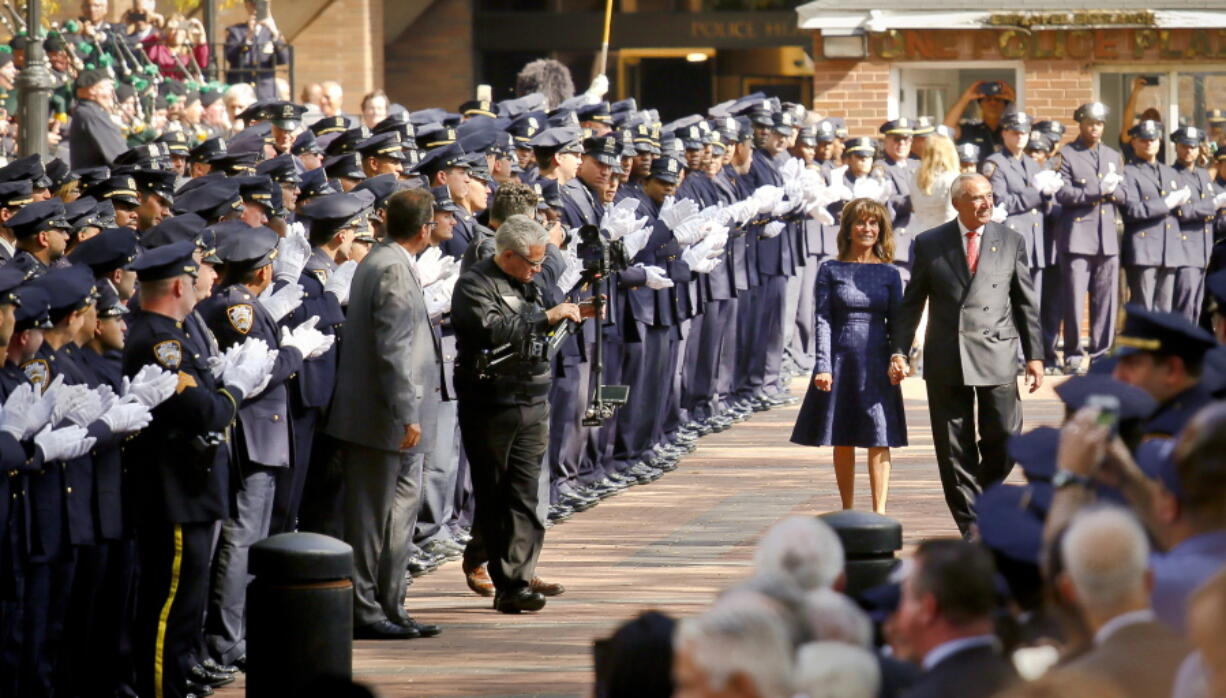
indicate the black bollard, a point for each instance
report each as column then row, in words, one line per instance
column 299, row 613
column 869, row 543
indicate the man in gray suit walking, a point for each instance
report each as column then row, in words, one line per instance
column 981, row 303
column 379, row 412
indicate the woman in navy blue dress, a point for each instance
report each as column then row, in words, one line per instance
column 855, row 400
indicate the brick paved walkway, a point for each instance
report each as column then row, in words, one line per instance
column 670, row 545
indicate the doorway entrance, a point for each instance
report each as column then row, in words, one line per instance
column 930, row 89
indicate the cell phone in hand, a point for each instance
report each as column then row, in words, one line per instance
column 1150, row 80
column 1108, row 410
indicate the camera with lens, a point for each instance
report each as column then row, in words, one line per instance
column 600, row 257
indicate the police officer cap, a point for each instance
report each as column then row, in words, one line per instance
column 58, row 173
column 208, row 150
column 440, row 159
column 82, row 212
column 525, row 126
column 744, row 129
column 691, row 136
column 478, row 134
column 89, row 78
column 598, row 112
column 335, row 211
column 10, row 278
column 14, row 194
column 1189, row 135
column 478, row 168
column 305, row 143
column 1147, row 130
column 1156, row 458
column 251, row 138
column 160, row 182
column 423, row 117
column 823, row 132
column 968, row 152
column 923, row 126
column 807, row 135
column 330, row 124
column 1161, row 333
column 478, row 107
column 210, row 201
column 380, row 187
column 644, row 141
column 314, row 183
column 397, row 123
column 624, row 106
column 147, row 155
column 1134, row 402
column 1054, row 129
column 442, row 200
column 549, row 192
column 513, row 108
column 860, row 146
column 1215, row 286
column 38, row 216
column 840, row 128
column 186, row 226
column 898, row 127
column 1011, row 520
column 280, row 169
column 166, row 262
column 235, row 163
column 176, row 142
column 1039, row 141
column 561, row 139
column 256, row 188
column 107, row 251
column 667, row 169
column 1016, row 121
column 605, row 149
column 347, row 166
column 434, row 136
column 251, row 248
column 504, row 145
column 348, row 141
column 382, row 145
column 562, row 117
column 1035, row 452
column 671, row 145
column 286, row 116
column 68, row 288
column 1215, row 116
column 1093, row 111
column 783, row 122
column 33, row 310
column 30, row 167
column 258, row 111
column 109, row 305
column 761, row 114
column 991, row 88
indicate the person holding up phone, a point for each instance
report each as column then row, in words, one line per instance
column 254, row 49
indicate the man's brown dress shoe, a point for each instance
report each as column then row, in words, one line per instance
column 545, row 588
column 479, row 581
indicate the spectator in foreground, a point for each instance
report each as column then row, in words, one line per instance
column 739, row 648
column 1106, row 557
column 836, row 670
column 640, row 659
column 803, row 550
column 1203, row 674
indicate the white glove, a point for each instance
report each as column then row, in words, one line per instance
column 598, row 88
column 249, row 367
column 773, row 229
column 688, row 231
column 1048, row 181
column 1177, row 198
column 309, row 341
column 66, row 443
column 656, row 278
column 572, row 272
column 438, row 297
column 340, row 281
column 151, row 385
column 125, row 417
column 1219, row 201
column 820, row 214
column 85, row 411
column 767, row 197
column 794, row 190
column 293, row 251
column 636, row 241
column 870, row 188
column 999, row 214
column 15, row 415
column 283, row 301
column 1111, row 180
column 672, row 212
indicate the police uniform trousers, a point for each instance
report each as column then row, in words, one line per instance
column 440, row 469
column 746, row 334
column 323, row 495
column 803, row 347
column 768, row 357
column 97, row 657
column 569, row 383
column 506, row 446
column 382, row 496
column 643, row 373
column 718, row 317
column 690, row 397
column 1097, row 275
column 675, row 416
column 793, row 355
column 171, row 598
column 1051, row 312
column 1189, row 292
column 1151, row 287
column 291, row 481
column 606, row 433
column 967, row 467
column 726, row 363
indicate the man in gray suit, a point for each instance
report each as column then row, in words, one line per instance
column 976, row 280
column 387, row 368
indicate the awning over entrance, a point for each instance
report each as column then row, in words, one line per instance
column 832, row 17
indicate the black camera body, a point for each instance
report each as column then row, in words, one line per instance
column 600, row 257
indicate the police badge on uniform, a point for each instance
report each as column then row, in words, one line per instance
column 168, row 353
column 321, row 274
column 38, row 371
column 241, row 317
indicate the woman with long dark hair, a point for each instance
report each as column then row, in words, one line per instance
column 854, row 400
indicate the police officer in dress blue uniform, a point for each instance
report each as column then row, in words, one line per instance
column 1088, row 235
column 899, row 169
column 42, row 236
column 1196, row 220
column 1152, row 250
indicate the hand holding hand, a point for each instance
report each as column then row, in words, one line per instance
column 823, row 382
column 899, row 369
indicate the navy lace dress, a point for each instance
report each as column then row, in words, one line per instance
column 857, row 306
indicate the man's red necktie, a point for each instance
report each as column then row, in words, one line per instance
column 972, row 251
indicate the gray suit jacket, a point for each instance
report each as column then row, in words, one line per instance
column 388, row 375
column 1141, row 659
column 974, row 323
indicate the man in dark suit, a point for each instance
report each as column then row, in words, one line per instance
column 944, row 620
column 976, row 280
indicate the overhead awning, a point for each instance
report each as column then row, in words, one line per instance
column 817, row 16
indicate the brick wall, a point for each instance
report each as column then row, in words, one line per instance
column 431, row 63
column 344, row 43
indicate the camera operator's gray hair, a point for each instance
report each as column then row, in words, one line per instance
column 519, row 233
column 803, row 549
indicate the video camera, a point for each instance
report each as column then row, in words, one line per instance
column 600, row 257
